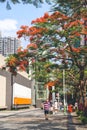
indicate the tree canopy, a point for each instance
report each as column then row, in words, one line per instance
column 36, row 3
column 55, row 44
column 69, row 7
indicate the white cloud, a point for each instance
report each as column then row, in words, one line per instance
column 8, row 27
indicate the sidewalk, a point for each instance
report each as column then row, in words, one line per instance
column 69, row 120
column 75, row 123
column 33, row 119
column 5, row 113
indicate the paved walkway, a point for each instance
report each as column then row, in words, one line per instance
column 33, row 119
column 74, row 122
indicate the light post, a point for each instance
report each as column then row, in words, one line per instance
column 64, row 85
column 12, row 90
column 65, row 107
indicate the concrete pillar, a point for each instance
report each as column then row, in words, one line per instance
column 53, row 94
column 47, row 92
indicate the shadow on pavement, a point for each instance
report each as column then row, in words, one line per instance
column 34, row 120
column 55, row 122
column 70, row 122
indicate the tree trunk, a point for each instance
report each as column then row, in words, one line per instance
column 82, row 92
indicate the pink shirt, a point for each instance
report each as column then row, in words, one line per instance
column 46, row 105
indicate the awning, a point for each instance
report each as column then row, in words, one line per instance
column 50, row 83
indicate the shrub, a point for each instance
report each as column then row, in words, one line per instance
column 79, row 113
column 84, row 120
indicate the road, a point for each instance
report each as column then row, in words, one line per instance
column 34, row 120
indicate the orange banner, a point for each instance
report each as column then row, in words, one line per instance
column 20, row 101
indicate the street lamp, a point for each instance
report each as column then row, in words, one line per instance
column 64, row 86
column 65, row 107
column 12, row 90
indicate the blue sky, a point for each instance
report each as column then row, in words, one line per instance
column 11, row 20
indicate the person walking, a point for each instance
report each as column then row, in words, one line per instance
column 55, row 107
column 76, row 106
column 46, row 107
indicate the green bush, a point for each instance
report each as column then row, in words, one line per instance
column 84, row 120
column 79, row 113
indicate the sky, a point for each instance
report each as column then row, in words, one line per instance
column 20, row 14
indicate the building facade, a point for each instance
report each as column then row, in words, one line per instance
column 9, row 45
column 15, row 91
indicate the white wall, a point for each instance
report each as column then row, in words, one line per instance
column 20, row 91
column 2, row 91
column 2, row 61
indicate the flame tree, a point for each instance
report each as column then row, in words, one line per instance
column 56, row 38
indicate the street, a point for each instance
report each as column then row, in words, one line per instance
column 34, row 120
